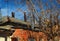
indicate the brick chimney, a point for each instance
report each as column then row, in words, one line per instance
column 13, row 14
column 25, row 19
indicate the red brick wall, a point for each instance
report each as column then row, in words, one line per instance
column 24, row 34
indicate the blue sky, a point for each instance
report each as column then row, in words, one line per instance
column 10, row 6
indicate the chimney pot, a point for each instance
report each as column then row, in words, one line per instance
column 25, row 19
column 13, row 15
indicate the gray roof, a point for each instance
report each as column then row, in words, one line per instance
column 5, row 19
column 13, row 20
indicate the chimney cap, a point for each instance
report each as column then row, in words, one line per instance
column 13, row 12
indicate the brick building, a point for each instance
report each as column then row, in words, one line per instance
column 16, row 30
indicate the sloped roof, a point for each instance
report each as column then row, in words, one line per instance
column 5, row 19
column 8, row 27
column 12, row 23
